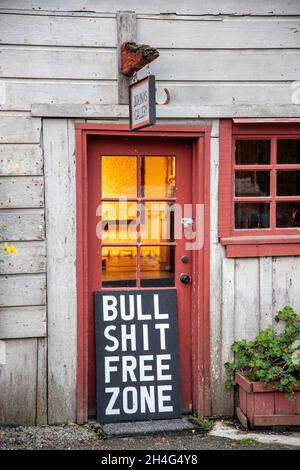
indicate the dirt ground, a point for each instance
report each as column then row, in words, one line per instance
column 74, row 437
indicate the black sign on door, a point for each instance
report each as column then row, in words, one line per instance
column 137, row 355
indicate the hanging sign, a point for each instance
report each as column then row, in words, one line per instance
column 137, row 355
column 142, row 107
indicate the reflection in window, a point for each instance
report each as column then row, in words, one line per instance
column 288, row 214
column 288, row 183
column 252, row 183
column 288, row 151
column 119, row 266
column 252, row 215
column 157, row 266
column 252, row 152
column 158, row 177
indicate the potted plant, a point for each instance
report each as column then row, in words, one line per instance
column 267, row 372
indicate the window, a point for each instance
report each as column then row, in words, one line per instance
column 259, row 194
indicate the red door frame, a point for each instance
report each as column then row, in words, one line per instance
column 200, row 139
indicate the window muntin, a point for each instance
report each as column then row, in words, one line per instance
column 266, row 183
column 138, row 201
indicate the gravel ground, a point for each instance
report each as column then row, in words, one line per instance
column 73, row 437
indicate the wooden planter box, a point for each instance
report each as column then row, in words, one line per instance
column 263, row 406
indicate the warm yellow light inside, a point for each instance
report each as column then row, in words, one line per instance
column 119, row 177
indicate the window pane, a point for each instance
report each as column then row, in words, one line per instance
column 119, row 221
column 157, row 221
column 119, row 176
column 252, row 152
column 158, row 177
column 252, row 183
column 119, row 266
column 250, row 215
column 288, row 151
column 157, row 266
column 288, row 214
column 288, row 183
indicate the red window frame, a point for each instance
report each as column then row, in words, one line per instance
column 254, row 242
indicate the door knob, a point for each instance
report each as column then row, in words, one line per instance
column 185, row 278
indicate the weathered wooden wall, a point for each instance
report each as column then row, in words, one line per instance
column 23, row 326
column 245, row 296
column 220, row 58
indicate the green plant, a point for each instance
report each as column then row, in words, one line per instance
column 271, row 357
column 204, row 423
column 248, row 441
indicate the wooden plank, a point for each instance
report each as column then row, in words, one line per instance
column 57, row 31
column 216, row 357
column 121, row 111
column 41, row 395
column 20, row 94
column 21, row 192
column 54, row 62
column 19, row 290
column 224, row 93
column 17, row 128
column 96, row 64
column 276, row 420
column 18, row 383
column 17, row 160
column 22, row 225
column 286, row 283
column 126, row 22
column 223, row 33
column 265, row 292
column 31, row 259
column 282, row 405
column 219, row 65
column 188, row 7
column 244, row 383
column 246, row 298
column 227, row 332
column 241, row 417
column 216, row 257
column 22, row 322
column 59, row 141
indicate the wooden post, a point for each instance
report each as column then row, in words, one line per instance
column 126, row 31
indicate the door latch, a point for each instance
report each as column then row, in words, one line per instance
column 187, row 222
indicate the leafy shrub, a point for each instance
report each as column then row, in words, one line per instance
column 271, row 357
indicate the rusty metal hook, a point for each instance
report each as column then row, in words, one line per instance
column 167, row 99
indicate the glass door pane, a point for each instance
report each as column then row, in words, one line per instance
column 119, row 177
column 158, row 177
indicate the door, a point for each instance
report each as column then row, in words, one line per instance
column 139, row 213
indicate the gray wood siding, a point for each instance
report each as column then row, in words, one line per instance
column 212, row 54
column 238, row 312
column 218, row 59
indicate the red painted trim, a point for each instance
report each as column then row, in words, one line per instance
column 200, row 135
column 254, row 251
column 258, row 242
column 265, row 120
column 225, row 177
column 273, row 239
column 276, row 420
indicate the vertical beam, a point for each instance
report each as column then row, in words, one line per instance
column 126, row 31
column 60, row 201
column 228, row 333
column 41, row 389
